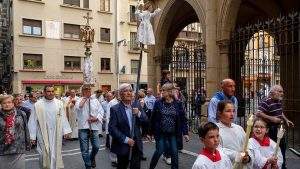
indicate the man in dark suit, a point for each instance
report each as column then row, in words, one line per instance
column 126, row 119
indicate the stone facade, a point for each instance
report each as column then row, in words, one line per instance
column 34, row 36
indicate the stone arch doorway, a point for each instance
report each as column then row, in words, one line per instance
column 280, row 20
column 175, row 16
column 182, row 60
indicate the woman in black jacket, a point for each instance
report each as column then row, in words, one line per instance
column 14, row 135
column 168, row 121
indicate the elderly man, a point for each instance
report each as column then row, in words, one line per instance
column 48, row 123
column 270, row 109
column 126, row 119
column 227, row 93
column 89, row 116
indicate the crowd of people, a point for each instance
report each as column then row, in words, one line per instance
column 125, row 118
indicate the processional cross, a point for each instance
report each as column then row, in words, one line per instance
column 87, row 17
column 87, row 36
column 87, row 33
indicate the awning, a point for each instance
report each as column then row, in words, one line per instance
column 49, row 81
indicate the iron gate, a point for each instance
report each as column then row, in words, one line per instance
column 187, row 64
column 264, row 54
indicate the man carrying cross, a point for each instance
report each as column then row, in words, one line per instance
column 89, row 116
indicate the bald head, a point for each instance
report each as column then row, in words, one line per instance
column 228, row 87
column 149, row 91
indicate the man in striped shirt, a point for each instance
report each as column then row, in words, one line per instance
column 270, row 109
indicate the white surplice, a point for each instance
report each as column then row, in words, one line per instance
column 72, row 116
column 145, row 33
column 203, row 162
column 52, row 109
column 232, row 141
column 262, row 153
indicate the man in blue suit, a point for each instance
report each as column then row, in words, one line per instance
column 126, row 119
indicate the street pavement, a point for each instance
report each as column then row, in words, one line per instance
column 73, row 160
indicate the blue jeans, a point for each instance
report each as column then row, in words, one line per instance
column 84, row 138
column 162, row 144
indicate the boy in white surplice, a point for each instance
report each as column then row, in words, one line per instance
column 210, row 157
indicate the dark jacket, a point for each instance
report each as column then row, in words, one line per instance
column 181, row 120
column 119, row 129
column 22, row 138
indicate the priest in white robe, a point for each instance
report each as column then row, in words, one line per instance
column 48, row 124
column 71, row 113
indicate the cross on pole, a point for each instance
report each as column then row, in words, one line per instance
column 87, row 17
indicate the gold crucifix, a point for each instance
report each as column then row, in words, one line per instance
column 87, row 17
column 87, row 33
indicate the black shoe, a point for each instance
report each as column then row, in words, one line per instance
column 100, row 135
column 144, row 158
column 114, row 164
column 93, row 163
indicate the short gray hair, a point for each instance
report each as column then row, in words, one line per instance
column 5, row 97
column 124, row 86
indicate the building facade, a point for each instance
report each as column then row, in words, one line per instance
column 47, row 48
column 5, row 46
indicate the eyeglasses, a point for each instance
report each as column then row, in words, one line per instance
column 259, row 127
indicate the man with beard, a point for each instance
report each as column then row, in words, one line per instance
column 48, row 123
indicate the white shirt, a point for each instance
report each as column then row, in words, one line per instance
column 232, row 141
column 83, row 114
column 262, row 153
column 203, row 162
column 100, row 98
